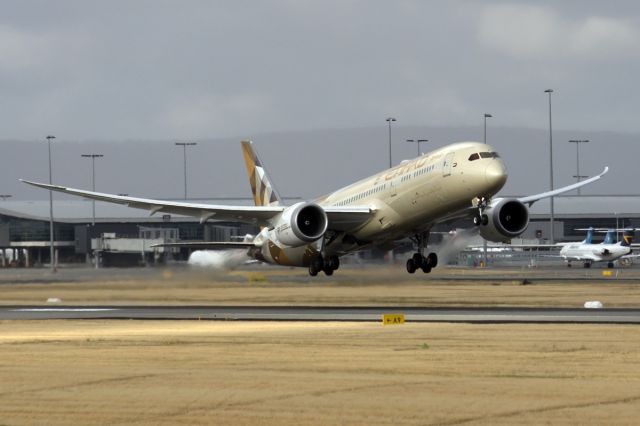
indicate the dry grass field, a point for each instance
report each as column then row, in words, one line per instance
column 355, row 286
column 203, row 372
column 200, row 372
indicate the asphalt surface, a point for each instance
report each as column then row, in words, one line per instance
column 278, row 313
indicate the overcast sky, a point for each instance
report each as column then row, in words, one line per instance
column 165, row 70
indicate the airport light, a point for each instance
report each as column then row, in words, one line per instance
column 51, row 251
column 5, row 196
column 552, row 234
column 578, row 176
column 389, row 120
column 418, row 141
column 184, row 146
column 485, row 126
column 93, row 181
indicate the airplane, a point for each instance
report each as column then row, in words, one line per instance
column 607, row 251
column 454, row 182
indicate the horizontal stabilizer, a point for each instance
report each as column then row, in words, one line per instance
column 213, row 245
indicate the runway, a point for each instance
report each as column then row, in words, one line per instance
column 298, row 313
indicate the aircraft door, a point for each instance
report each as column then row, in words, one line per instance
column 446, row 164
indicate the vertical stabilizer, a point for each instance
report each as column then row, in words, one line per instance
column 610, row 238
column 589, row 238
column 627, row 238
column 264, row 193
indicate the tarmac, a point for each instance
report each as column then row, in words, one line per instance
column 308, row 313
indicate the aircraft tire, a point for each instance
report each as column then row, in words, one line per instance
column 328, row 271
column 587, row 265
column 432, row 260
column 610, row 265
column 426, row 268
column 333, row 262
column 411, row 266
column 312, row 271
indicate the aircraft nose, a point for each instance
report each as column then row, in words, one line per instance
column 496, row 174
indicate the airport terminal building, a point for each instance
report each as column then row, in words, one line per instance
column 122, row 236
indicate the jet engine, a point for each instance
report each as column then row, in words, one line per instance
column 504, row 219
column 300, row 224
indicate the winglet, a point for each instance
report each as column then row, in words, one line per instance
column 264, row 192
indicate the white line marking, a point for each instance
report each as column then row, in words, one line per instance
column 64, row 309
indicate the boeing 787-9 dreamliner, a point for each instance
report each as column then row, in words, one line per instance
column 454, row 182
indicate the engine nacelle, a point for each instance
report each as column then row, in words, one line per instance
column 506, row 218
column 300, row 224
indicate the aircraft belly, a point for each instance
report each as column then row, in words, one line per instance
column 287, row 256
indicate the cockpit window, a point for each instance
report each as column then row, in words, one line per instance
column 474, row 156
column 489, row 155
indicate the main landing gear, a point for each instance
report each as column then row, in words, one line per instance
column 328, row 265
column 419, row 260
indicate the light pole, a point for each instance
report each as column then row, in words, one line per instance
column 552, row 233
column 389, row 121
column 418, row 141
column 51, row 251
column 184, row 146
column 93, row 181
column 485, row 126
column 578, row 176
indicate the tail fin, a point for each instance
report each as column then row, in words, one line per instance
column 264, row 193
column 589, row 238
column 610, row 238
column 627, row 237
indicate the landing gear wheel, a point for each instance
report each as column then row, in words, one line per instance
column 432, row 260
column 426, row 268
column 477, row 220
column 610, row 265
column 332, row 262
column 328, row 271
column 316, row 265
column 411, row 266
column 587, row 265
column 485, row 220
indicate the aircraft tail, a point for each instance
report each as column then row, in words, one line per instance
column 589, row 238
column 610, row 238
column 627, row 238
column 264, row 192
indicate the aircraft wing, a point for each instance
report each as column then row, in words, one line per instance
column 533, row 198
column 248, row 214
column 347, row 218
column 340, row 218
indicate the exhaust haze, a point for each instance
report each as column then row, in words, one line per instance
column 221, row 260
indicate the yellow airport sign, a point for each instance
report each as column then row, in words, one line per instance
column 607, row 273
column 392, row 319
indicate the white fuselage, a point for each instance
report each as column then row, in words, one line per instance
column 406, row 199
column 594, row 252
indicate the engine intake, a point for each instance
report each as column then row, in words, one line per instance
column 506, row 219
column 300, row 224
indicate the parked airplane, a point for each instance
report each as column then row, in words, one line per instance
column 454, row 182
column 607, row 251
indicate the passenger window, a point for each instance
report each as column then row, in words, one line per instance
column 486, row 155
column 474, row 157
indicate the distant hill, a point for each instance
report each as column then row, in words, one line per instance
column 309, row 163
